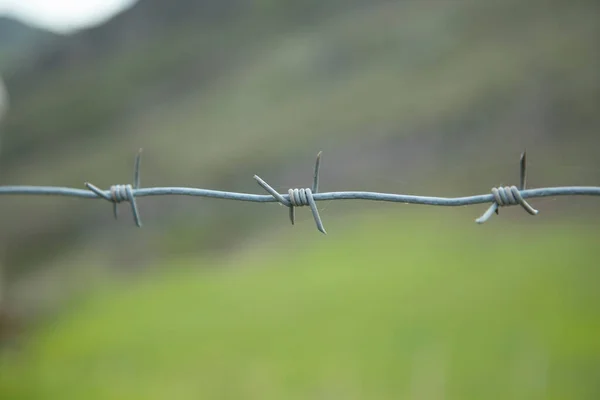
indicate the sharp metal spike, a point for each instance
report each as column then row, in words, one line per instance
column 98, row 191
column 315, row 211
column 292, row 215
column 272, row 191
column 523, row 171
column 136, row 170
column 315, row 188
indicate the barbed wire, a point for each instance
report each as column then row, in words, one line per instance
column 499, row 197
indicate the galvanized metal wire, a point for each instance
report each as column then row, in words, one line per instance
column 499, row 196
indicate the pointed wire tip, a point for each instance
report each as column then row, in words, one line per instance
column 136, row 170
column 315, row 185
column 258, row 179
column 523, row 170
column 99, row 192
column 523, row 158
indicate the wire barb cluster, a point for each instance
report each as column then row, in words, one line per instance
column 500, row 196
column 510, row 195
column 299, row 197
column 120, row 193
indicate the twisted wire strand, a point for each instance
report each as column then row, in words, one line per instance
column 499, row 196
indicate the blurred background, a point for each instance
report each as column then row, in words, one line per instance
column 226, row 300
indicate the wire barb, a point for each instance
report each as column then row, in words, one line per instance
column 120, row 193
column 315, row 188
column 299, row 197
column 499, row 197
column 510, row 195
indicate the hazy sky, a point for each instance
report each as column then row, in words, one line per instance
column 62, row 15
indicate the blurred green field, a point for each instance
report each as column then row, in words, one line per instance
column 387, row 306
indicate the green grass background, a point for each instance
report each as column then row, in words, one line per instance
column 415, row 304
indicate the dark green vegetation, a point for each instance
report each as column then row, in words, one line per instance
column 392, row 306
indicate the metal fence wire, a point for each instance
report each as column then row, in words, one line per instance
column 499, row 196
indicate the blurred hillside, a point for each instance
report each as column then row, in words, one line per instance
column 437, row 97
column 152, row 50
column 19, row 41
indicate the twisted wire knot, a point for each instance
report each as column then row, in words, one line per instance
column 122, row 193
column 299, row 197
column 509, row 195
